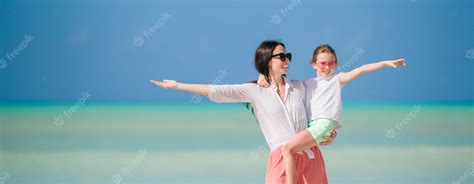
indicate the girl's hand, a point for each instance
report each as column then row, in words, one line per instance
column 166, row 84
column 330, row 139
column 395, row 63
column 262, row 82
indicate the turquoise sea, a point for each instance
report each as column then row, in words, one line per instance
column 180, row 143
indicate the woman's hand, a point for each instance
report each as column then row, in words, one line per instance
column 168, row 84
column 395, row 63
column 200, row 89
column 262, row 82
column 330, row 139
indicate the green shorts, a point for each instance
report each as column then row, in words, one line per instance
column 321, row 127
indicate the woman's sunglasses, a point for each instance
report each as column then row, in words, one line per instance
column 283, row 56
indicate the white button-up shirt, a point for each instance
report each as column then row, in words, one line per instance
column 279, row 120
column 323, row 98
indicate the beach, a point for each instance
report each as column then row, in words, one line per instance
column 221, row 143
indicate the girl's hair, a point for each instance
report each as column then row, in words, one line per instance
column 263, row 55
column 324, row 48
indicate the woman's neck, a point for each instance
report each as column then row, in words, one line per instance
column 277, row 80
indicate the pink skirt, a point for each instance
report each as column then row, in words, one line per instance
column 308, row 171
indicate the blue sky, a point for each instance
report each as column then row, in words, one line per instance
column 92, row 46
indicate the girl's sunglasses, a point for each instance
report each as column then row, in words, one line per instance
column 283, row 56
column 331, row 64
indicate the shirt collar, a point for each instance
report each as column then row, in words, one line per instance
column 325, row 78
column 288, row 84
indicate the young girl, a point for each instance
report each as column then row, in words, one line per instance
column 323, row 102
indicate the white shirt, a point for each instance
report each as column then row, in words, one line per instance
column 323, row 98
column 279, row 120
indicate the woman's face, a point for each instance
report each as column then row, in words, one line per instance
column 278, row 66
column 325, row 64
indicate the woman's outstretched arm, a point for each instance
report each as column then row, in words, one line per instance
column 217, row 93
column 201, row 89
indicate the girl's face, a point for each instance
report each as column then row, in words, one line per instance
column 325, row 64
column 279, row 65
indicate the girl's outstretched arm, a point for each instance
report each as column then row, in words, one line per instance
column 349, row 76
column 201, row 89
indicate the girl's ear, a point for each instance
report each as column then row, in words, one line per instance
column 314, row 65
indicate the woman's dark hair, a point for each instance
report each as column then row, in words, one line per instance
column 263, row 55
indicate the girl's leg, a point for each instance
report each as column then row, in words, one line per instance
column 300, row 142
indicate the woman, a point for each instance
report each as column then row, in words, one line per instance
column 279, row 111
